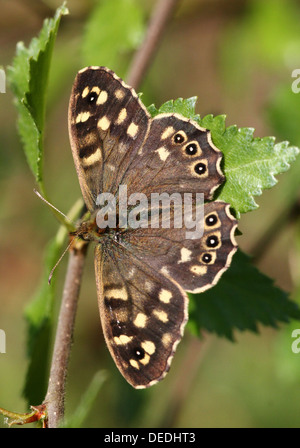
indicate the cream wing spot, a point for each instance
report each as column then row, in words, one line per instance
column 102, row 98
column 148, row 346
column 134, row 364
column 198, row 270
column 145, row 360
column 167, row 132
column 119, row 94
column 161, row 315
column 140, row 320
column 122, row 116
column 93, row 158
column 185, row 255
column 166, row 339
column 148, row 286
column 104, row 123
column 132, row 130
column 119, row 293
column 123, row 339
column 82, row 117
column 96, row 89
column 85, row 92
column 163, row 153
column 165, row 296
column 164, row 270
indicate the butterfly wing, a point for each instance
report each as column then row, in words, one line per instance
column 143, row 314
column 196, row 263
column 142, row 273
column 178, row 156
column 107, row 125
column 141, row 281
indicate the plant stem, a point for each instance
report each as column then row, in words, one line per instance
column 64, row 334
column 161, row 15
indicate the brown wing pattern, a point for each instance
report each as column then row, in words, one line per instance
column 142, row 273
column 143, row 314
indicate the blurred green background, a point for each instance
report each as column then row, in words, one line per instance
column 237, row 56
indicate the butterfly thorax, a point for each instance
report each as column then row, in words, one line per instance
column 88, row 230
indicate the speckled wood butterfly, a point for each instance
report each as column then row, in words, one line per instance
column 142, row 273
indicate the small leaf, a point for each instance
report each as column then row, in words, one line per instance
column 28, row 77
column 243, row 298
column 113, row 31
column 185, row 107
column 38, row 414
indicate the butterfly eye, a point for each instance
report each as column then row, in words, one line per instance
column 191, row 149
column 92, row 97
column 211, row 220
column 139, row 353
column 180, row 137
column 212, row 241
column 206, row 258
column 200, row 168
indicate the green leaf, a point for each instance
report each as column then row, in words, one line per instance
column 28, row 77
column 185, row 107
column 112, row 32
column 250, row 164
column 243, row 298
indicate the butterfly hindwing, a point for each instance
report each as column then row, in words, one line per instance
column 143, row 314
column 195, row 262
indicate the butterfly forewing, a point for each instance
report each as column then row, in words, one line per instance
column 178, row 156
column 107, row 126
column 142, row 272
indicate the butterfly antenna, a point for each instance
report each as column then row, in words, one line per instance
column 59, row 260
column 66, row 220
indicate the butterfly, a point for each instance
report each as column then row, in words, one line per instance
column 143, row 272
